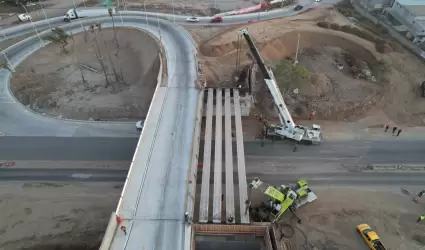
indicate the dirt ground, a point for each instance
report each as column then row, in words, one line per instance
column 51, row 81
column 334, row 94
column 55, row 216
column 330, row 222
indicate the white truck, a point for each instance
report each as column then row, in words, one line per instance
column 85, row 12
column 24, row 17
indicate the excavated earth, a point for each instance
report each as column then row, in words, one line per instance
column 333, row 93
column 50, row 81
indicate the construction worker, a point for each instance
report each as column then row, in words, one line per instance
column 398, row 132
column 312, row 114
column 421, row 218
column 387, row 127
column 124, row 229
column 394, row 129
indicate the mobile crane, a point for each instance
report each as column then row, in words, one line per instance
column 287, row 129
column 283, row 198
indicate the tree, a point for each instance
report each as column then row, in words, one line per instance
column 61, row 37
column 78, row 60
column 117, row 77
column 110, row 11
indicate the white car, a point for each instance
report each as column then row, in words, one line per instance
column 193, row 19
column 139, row 125
column 24, row 17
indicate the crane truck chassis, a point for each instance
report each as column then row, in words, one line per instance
column 287, row 129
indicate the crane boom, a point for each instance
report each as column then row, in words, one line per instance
column 284, row 115
column 287, row 128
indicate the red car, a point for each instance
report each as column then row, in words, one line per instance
column 217, row 19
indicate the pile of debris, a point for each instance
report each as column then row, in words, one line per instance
column 359, row 68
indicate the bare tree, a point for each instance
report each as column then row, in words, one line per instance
column 110, row 11
column 61, row 37
column 78, row 60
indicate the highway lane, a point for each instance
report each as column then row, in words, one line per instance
column 122, row 149
column 367, row 178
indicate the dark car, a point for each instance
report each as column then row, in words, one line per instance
column 423, row 89
column 298, row 7
column 217, row 19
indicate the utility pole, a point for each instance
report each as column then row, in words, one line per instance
column 35, row 29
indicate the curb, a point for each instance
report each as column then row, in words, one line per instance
column 396, row 167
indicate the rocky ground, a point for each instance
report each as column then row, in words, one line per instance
column 74, row 84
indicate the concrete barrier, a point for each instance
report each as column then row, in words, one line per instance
column 110, row 232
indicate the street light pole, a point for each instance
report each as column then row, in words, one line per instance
column 35, row 29
column 159, row 27
column 174, row 16
column 75, row 7
column 122, row 22
column 146, row 14
column 8, row 62
column 4, row 34
column 45, row 16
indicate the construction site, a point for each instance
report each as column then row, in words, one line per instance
column 285, row 79
column 279, row 79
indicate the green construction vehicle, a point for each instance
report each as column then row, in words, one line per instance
column 281, row 199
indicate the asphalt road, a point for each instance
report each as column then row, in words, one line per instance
column 367, row 178
column 122, row 149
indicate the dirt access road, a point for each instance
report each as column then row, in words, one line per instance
column 50, row 81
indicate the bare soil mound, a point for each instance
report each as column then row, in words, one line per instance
column 119, row 81
column 317, row 84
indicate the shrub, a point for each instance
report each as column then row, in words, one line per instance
column 323, row 25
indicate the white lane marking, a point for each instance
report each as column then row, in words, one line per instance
column 81, row 176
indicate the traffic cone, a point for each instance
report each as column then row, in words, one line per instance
column 119, row 219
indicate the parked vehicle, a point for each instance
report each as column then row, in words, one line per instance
column 193, row 19
column 298, row 7
column 24, row 17
column 139, row 125
column 217, row 19
column 371, row 237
